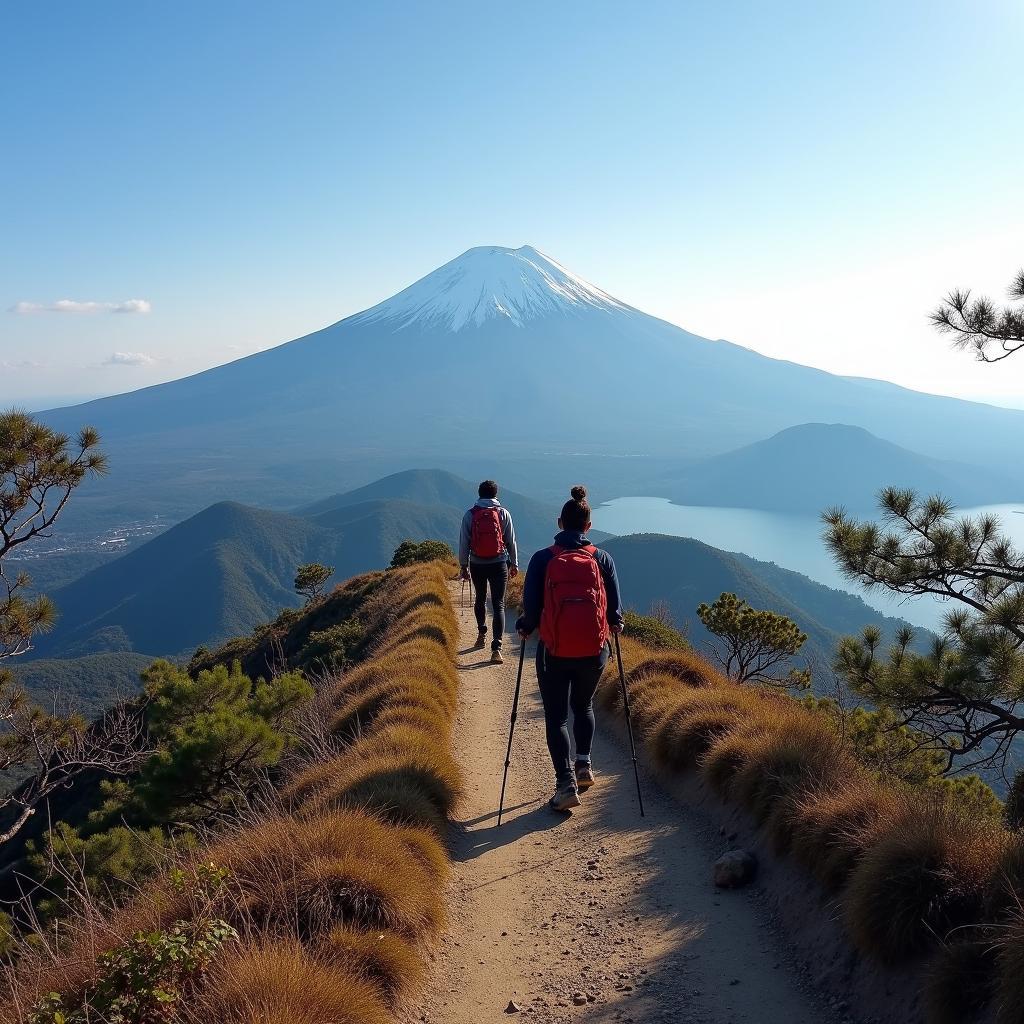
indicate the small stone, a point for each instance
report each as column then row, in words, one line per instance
column 734, row 981
column 735, row 868
column 513, row 1007
column 579, row 999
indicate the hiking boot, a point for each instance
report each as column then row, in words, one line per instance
column 481, row 640
column 496, row 658
column 566, row 798
column 584, row 776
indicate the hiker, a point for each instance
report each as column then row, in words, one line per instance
column 488, row 556
column 572, row 593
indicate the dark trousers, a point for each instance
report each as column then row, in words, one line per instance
column 495, row 576
column 568, row 683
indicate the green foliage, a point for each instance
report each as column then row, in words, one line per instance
column 331, row 649
column 148, row 978
column 1013, row 811
column 310, row 580
column 214, row 733
column 96, row 680
column 754, row 645
column 654, row 631
column 282, row 643
column 410, row 552
column 879, row 741
column 993, row 333
column 143, row 981
column 105, row 862
column 6, row 934
column 39, row 469
column 963, row 690
column 972, row 794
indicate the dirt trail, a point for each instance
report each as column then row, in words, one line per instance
column 601, row 916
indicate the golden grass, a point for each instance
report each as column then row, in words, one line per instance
column 418, row 784
column 312, row 873
column 914, row 875
column 386, row 960
column 926, row 874
column 337, row 894
column 832, row 825
column 787, row 761
column 1006, row 894
column 685, row 666
column 281, row 983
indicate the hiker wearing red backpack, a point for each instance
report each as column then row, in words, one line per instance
column 571, row 592
column 488, row 556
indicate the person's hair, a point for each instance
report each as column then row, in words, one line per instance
column 488, row 489
column 576, row 511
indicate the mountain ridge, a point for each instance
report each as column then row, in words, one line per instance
column 809, row 467
column 607, row 379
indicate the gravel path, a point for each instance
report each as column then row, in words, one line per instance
column 600, row 915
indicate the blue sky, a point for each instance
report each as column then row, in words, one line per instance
column 805, row 179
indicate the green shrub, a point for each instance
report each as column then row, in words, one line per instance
column 107, row 861
column 143, row 980
column 1013, row 810
column 331, row 649
column 654, row 631
column 214, row 734
column 410, row 552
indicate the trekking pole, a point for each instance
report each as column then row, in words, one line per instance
column 629, row 723
column 463, row 599
column 511, row 728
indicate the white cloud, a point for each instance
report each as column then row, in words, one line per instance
column 20, row 364
column 73, row 306
column 129, row 359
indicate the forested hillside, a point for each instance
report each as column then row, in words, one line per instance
column 686, row 572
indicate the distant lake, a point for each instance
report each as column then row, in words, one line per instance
column 791, row 541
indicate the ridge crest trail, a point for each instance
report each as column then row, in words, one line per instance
column 599, row 916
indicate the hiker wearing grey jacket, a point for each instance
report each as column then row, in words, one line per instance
column 491, row 568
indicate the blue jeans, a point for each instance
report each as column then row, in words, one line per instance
column 565, row 683
column 495, row 576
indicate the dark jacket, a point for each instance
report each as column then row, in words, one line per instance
column 533, row 586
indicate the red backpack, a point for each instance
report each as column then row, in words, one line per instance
column 486, row 537
column 574, row 623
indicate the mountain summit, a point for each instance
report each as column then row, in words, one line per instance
column 490, row 283
column 501, row 354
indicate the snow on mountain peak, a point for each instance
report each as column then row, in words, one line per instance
column 491, row 283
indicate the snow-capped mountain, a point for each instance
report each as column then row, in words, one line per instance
column 500, row 354
column 491, row 283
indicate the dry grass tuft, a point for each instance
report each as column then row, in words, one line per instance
column 796, row 755
column 280, row 983
column 688, row 732
column 683, row 666
column 386, row 960
column 336, row 900
column 1006, row 896
column 925, row 875
column 1009, row 1000
column 959, row 981
column 832, row 826
column 310, row 874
